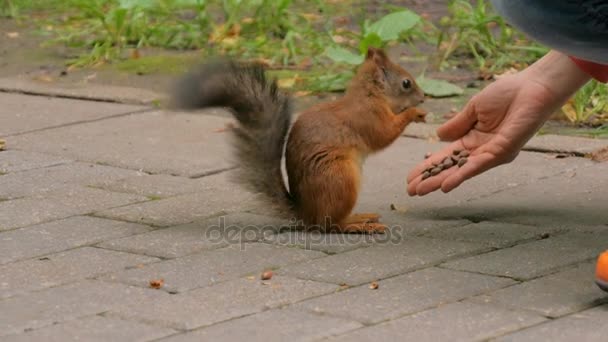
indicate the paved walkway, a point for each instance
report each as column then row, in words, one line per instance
column 99, row 200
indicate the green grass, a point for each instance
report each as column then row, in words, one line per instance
column 475, row 31
column 303, row 42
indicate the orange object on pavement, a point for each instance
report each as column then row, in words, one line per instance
column 601, row 271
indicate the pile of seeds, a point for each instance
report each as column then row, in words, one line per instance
column 458, row 157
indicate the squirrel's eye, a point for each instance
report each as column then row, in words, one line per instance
column 407, row 84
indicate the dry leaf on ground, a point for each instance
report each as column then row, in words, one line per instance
column 157, row 283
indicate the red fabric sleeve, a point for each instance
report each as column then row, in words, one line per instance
column 595, row 70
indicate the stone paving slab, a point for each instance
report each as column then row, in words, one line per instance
column 155, row 142
column 453, row 322
column 36, row 182
column 384, row 177
column 56, row 236
column 589, row 325
column 402, row 295
column 495, row 234
column 533, row 259
column 221, row 197
column 273, row 325
column 326, row 243
column 93, row 328
column 61, row 204
column 68, row 302
column 194, row 237
column 85, row 91
column 22, row 113
column 158, row 186
column 380, row 261
column 15, row 161
column 210, row 267
column 571, row 200
column 25, row 276
column 555, row 295
column 221, row 302
column 565, row 144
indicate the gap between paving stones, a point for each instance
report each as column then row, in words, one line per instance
column 65, row 95
column 548, row 321
column 134, row 112
column 550, row 272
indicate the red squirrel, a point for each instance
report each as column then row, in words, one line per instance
column 327, row 145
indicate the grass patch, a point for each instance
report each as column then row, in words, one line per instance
column 163, row 64
column 309, row 45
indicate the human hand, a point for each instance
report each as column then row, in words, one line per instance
column 498, row 121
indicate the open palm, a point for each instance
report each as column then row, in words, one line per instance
column 494, row 126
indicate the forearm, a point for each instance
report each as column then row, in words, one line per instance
column 559, row 75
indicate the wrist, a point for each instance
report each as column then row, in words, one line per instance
column 559, row 74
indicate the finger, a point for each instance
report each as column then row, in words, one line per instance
column 435, row 159
column 415, row 176
column 477, row 163
column 434, row 183
column 459, row 125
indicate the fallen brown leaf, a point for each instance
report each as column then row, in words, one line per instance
column 157, row 283
column 399, row 208
column 44, row 78
column 135, row 54
column 2, row 144
column 374, row 285
column 267, row 275
column 301, row 93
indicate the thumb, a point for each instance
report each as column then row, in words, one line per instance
column 460, row 124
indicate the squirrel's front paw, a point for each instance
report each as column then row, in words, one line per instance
column 416, row 114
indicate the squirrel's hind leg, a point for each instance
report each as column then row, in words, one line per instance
column 361, row 228
column 363, row 218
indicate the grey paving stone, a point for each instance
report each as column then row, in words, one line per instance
column 555, row 295
column 384, row 178
column 495, row 234
column 273, row 325
column 155, row 142
column 56, row 269
column 61, row 204
column 60, row 235
column 571, row 200
column 221, row 197
column 194, row 237
column 22, row 113
column 94, row 328
column 589, row 325
column 14, row 161
column 403, row 295
column 159, row 186
column 380, row 261
column 36, row 182
column 68, row 302
column 207, row 268
column 453, row 322
column 536, row 258
column 314, row 240
column 561, row 143
column 218, row 303
column 400, row 225
column 78, row 90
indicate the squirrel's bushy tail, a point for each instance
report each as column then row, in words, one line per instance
column 263, row 113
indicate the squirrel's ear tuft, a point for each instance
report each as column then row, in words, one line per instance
column 371, row 52
column 377, row 55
